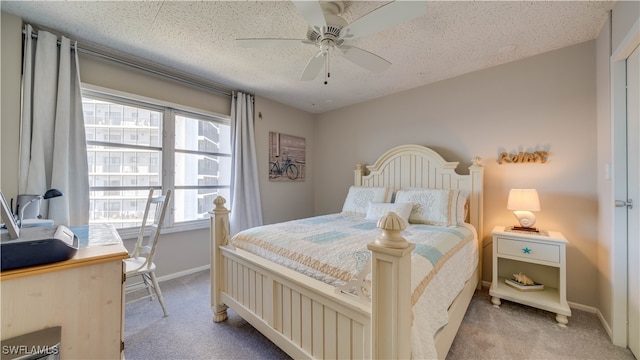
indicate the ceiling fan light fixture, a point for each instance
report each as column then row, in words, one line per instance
column 334, row 25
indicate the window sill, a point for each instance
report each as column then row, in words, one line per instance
column 132, row 233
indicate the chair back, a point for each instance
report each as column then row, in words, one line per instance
column 146, row 246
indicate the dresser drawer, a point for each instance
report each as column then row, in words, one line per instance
column 529, row 250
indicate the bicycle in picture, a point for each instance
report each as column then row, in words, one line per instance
column 287, row 168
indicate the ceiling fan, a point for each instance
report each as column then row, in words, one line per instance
column 330, row 33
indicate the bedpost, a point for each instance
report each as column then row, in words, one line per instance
column 358, row 173
column 476, row 171
column 219, row 217
column 391, row 310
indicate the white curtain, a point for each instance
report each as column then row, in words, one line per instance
column 246, row 209
column 53, row 150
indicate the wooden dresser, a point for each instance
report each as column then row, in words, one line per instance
column 83, row 295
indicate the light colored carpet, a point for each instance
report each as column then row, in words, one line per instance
column 189, row 331
column 511, row 332
column 515, row 331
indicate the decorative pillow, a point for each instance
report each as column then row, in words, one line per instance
column 378, row 210
column 462, row 206
column 431, row 206
column 358, row 199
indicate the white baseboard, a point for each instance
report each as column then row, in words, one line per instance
column 589, row 309
column 596, row 311
column 605, row 325
column 183, row 273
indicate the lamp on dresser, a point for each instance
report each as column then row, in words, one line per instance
column 522, row 202
column 49, row 194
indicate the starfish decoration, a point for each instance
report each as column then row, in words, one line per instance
column 526, row 250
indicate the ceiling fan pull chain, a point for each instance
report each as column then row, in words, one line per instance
column 328, row 66
column 327, row 62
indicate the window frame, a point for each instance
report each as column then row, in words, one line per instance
column 168, row 150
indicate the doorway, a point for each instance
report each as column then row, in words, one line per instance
column 626, row 189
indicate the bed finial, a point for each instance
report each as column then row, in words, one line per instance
column 358, row 173
column 476, row 161
column 219, row 202
column 391, row 226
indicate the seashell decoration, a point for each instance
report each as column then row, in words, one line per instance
column 523, row 279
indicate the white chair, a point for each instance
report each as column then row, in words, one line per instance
column 141, row 261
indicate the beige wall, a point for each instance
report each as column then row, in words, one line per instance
column 98, row 71
column 542, row 102
column 283, row 201
column 11, row 63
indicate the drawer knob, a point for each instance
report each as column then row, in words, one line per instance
column 526, row 251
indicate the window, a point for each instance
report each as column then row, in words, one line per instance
column 132, row 144
column 202, row 165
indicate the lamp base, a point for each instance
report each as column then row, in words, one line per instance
column 524, row 228
column 525, row 218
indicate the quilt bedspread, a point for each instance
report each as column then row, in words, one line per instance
column 333, row 249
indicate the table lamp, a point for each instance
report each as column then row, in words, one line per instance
column 522, row 202
column 51, row 193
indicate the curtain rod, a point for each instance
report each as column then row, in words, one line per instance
column 140, row 67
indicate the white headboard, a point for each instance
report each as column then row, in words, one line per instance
column 419, row 166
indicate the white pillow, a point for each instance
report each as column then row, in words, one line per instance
column 358, row 199
column 378, row 210
column 431, row 206
column 462, row 207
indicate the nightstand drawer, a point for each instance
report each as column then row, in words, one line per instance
column 529, row 250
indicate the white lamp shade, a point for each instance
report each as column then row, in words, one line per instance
column 523, row 199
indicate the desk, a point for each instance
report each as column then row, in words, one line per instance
column 83, row 295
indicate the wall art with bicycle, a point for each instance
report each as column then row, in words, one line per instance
column 287, row 159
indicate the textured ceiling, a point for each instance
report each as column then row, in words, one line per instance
column 197, row 39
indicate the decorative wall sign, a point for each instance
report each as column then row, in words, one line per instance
column 523, row 157
column 287, row 160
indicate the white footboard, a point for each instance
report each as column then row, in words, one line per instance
column 304, row 321
column 308, row 318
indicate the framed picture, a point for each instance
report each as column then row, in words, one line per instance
column 287, row 160
column 7, row 217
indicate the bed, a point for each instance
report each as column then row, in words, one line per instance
column 380, row 294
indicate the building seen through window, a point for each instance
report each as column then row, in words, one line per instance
column 128, row 150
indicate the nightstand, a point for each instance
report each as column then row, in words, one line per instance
column 540, row 256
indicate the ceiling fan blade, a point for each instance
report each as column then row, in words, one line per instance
column 312, row 13
column 388, row 15
column 313, row 67
column 250, row 43
column 364, row 58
